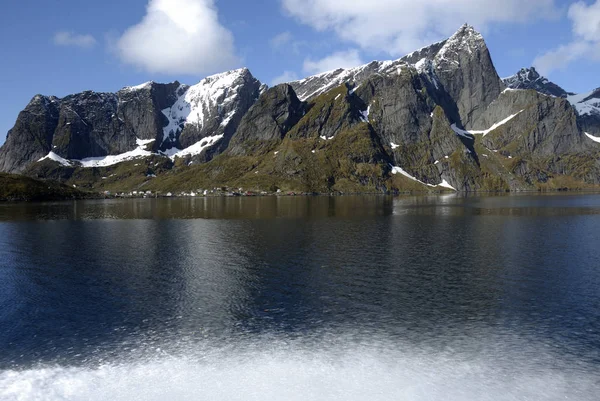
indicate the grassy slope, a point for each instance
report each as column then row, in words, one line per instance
column 21, row 188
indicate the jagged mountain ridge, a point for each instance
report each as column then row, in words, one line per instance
column 418, row 119
column 529, row 78
column 587, row 105
column 472, row 88
column 171, row 119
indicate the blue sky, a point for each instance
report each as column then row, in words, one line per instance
column 59, row 47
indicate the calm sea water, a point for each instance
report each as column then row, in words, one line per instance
column 353, row 298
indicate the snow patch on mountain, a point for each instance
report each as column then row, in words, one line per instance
column 145, row 85
column 447, row 185
column 139, row 152
column 462, row 132
column 586, row 103
column 111, row 160
column 56, row 158
column 593, row 138
column 401, row 171
column 364, row 115
column 195, row 103
column 195, row 149
column 143, row 142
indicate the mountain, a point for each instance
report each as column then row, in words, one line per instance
column 461, row 66
column 437, row 119
column 587, row 105
column 95, row 129
column 529, row 78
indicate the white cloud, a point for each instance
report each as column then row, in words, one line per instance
column 586, row 20
column 561, row 57
column 65, row 38
column 179, row 37
column 287, row 76
column 281, row 40
column 400, row 26
column 343, row 59
column 585, row 45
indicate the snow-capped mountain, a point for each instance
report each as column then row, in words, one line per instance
column 586, row 104
column 529, row 78
column 460, row 65
column 91, row 129
column 212, row 108
column 439, row 117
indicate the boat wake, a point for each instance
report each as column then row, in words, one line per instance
column 362, row 373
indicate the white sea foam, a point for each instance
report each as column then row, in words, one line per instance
column 359, row 373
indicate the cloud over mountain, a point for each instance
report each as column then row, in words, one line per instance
column 585, row 44
column 179, row 37
column 397, row 27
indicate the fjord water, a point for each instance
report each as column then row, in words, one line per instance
column 355, row 298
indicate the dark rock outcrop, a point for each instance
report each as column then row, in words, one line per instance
column 529, row 78
column 31, row 137
column 140, row 108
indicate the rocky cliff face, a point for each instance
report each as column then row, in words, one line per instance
column 464, row 68
column 586, row 105
column 439, row 118
column 140, row 108
column 167, row 117
column 542, row 125
column 268, row 121
column 213, row 107
column 31, row 137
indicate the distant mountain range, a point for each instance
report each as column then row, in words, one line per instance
column 437, row 119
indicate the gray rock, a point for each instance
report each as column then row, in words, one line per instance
column 466, row 72
column 88, row 126
column 415, row 131
column 267, row 121
column 544, row 126
column 140, row 109
column 31, row 137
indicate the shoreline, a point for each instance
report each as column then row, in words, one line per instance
column 91, row 196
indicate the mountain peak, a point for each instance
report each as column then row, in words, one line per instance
column 466, row 33
column 466, row 28
column 529, row 78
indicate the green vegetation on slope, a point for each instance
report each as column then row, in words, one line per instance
column 20, row 188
